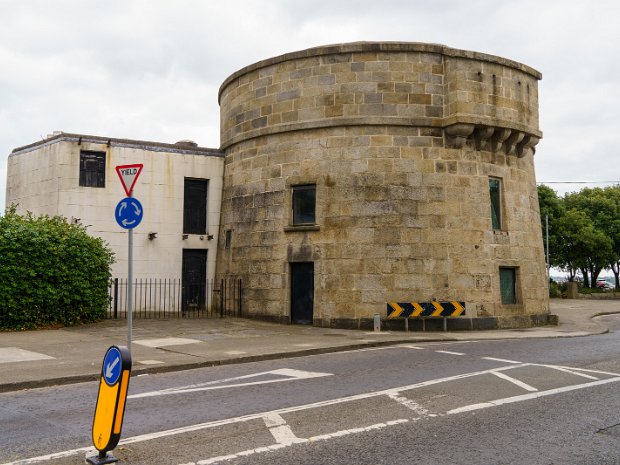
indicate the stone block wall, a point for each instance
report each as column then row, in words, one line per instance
column 400, row 140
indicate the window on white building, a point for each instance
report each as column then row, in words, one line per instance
column 195, row 206
column 92, row 169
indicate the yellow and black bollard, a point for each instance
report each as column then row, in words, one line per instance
column 108, row 419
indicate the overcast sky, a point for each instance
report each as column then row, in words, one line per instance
column 151, row 69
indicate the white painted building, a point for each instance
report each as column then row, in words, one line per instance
column 180, row 189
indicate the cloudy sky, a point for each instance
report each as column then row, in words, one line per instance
column 151, row 69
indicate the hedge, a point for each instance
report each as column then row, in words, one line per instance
column 51, row 272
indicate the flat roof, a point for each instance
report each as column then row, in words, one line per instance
column 187, row 147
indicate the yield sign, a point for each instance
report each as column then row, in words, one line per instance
column 129, row 175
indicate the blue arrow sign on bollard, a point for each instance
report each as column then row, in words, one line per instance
column 112, row 366
column 128, row 213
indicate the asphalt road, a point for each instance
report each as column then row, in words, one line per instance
column 543, row 401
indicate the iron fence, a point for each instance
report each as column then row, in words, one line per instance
column 169, row 298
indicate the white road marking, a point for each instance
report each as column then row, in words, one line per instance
column 281, row 432
column 286, row 374
column 533, row 395
column 448, row 343
column 408, row 346
column 285, row 436
column 165, row 342
column 410, row 404
column 573, row 369
column 56, row 455
column 387, row 392
column 609, row 373
column 449, row 352
column 493, row 359
column 273, row 419
column 15, row 354
column 149, row 362
column 347, row 432
column 521, row 384
column 323, row 437
column 572, row 372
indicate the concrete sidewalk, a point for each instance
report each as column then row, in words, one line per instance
column 49, row 357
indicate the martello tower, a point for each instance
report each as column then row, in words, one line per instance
column 364, row 173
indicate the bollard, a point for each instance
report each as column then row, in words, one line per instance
column 377, row 322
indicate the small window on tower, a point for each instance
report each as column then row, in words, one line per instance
column 495, row 192
column 508, row 285
column 304, row 204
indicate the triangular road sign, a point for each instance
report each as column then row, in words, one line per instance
column 129, row 175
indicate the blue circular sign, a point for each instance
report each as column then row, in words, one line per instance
column 128, row 213
column 112, row 364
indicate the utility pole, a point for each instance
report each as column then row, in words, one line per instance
column 548, row 262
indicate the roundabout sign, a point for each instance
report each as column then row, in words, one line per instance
column 128, row 213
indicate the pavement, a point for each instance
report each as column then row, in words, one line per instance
column 32, row 359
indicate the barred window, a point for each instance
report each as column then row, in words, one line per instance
column 92, row 169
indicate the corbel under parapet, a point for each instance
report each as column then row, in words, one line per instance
column 510, row 144
column 482, row 135
column 457, row 134
column 529, row 142
column 491, row 138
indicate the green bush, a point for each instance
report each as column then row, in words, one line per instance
column 590, row 290
column 51, row 272
column 556, row 290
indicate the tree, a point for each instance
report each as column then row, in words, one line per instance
column 52, row 272
column 602, row 206
column 551, row 207
column 582, row 246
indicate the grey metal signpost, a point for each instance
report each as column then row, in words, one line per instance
column 128, row 215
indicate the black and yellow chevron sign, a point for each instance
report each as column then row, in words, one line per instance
column 424, row 309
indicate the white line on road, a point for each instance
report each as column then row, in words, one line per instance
column 259, row 450
column 449, row 352
column 515, row 381
column 572, row 372
column 573, row 369
column 288, row 374
column 410, row 404
column 493, row 359
column 273, row 419
column 56, row 455
column 284, row 435
column 281, row 432
column 533, row 395
column 347, row 432
column 387, row 392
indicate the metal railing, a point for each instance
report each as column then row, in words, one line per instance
column 169, row 298
column 230, row 295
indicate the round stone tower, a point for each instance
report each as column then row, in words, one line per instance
column 367, row 173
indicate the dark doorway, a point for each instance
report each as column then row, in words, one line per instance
column 302, row 293
column 194, row 280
